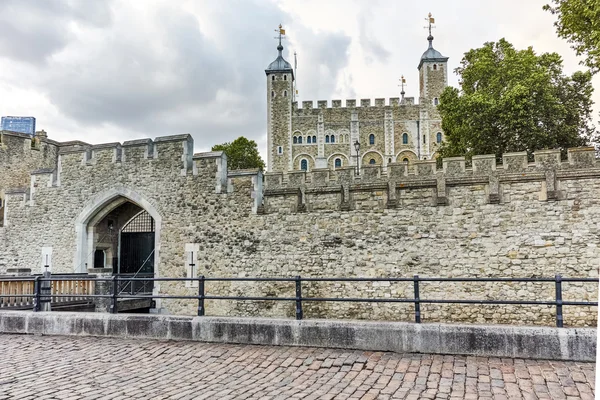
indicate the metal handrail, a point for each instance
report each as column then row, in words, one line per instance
column 417, row 300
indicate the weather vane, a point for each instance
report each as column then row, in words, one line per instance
column 281, row 33
column 402, row 83
column 430, row 21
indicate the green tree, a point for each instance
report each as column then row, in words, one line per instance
column 579, row 23
column 514, row 100
column 241, row 154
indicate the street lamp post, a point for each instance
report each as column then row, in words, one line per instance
column 357, row 148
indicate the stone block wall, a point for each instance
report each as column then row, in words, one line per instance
column 515, row 219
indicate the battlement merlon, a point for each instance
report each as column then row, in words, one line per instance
column 548, row 168
column 309, row 105
column 178, row 148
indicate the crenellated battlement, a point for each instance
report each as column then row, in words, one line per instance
column 353, row 104
column 339, row 189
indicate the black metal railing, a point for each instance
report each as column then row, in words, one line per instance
column 118, row 282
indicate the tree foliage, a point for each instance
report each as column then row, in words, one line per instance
column 241, row 154
column 579, row 23
column 514, row 100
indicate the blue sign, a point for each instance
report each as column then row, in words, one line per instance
column 19, row 124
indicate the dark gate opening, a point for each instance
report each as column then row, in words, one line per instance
column 136, row 254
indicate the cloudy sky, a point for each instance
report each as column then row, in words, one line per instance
column 114, row 70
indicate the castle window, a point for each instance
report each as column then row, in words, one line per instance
column 404, row 138
column 273, row 77
column 405, row 161
column 314, row 139
column 280, row 150
column 295, row 140
column 372, row 161
column 99, row 258
column 434, row 67
column 338, row 162
column 436, row 101
column 299, row 139
column 423, row 139
column 272, row 94
column 285, row 93
column 309, row 140
column 439, row 137
column 371, row 139
column 285, row 77
column 327, row 139
column 332, row 139
column 304, row 165
column 389, row 160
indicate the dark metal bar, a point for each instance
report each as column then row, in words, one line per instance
column 299, row 312
column 201, row 296
column 37, row 288
column 114, row 306
column 417, row 301
column 559, row 302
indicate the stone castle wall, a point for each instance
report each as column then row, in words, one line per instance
column 19, row 156
column 517, row 219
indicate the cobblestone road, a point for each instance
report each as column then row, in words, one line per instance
column 33, row 367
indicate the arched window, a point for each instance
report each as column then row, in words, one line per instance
column 371, row 139
column 389, row 160
column 338, row 162
column 436, row 101
column 309, row 140
column 434, row 67
column 99, row 258
column 439, row 137
column 299, row 139
column 295, row 140
column 314, row 139
column 404, row 138
column 405, row 160
column 285, row 76
column 285, row 93
column 372, row 161
column 327, row 139
column 304, row 165
column 332, row 139
column 273, row 77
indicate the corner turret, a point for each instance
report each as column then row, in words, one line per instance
column 280, row 78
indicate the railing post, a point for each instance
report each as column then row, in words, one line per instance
column 201, row 296
column 114, row 306
column 37, row 290
column 299, row 313
column 559, row 301
column 417, row 300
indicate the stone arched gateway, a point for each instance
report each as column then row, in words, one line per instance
column 102, row 220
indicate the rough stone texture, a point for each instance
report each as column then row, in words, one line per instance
column 511, row 220
column 575, row 344
column 336, row 127
column 186, row 370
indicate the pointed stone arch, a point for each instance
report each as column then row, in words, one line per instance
column 100, row 206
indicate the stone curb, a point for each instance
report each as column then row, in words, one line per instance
column 569, row 344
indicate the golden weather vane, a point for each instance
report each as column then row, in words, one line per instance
column 402, row 83
column 430, row 20
column 281, row 33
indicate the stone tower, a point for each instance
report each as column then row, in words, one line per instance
column 433, row 78
column 280, row 86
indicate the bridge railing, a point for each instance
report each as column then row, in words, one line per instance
column 19, row 292
column 30, row 289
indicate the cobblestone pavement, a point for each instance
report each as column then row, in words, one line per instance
column 34, row 367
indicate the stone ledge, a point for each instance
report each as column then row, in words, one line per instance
column 572, row 344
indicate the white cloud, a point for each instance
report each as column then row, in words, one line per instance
column 119, row 69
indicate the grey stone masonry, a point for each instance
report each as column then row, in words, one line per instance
column 513, row 219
